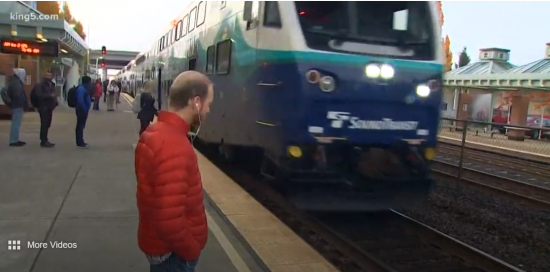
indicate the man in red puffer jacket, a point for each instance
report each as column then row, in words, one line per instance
column 172, row 220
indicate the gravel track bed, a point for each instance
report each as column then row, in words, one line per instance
column 512, row 233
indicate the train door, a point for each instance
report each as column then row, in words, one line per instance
column 159, row 88
column 192, row 64
column 243, row 111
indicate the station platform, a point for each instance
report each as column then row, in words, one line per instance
column 528, row 149
column 87, row 197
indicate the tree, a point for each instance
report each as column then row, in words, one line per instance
column 446, row 43
column 447, row 54
column 67, row 16
column 48, row 7
column 463, row 58
column 440, row 13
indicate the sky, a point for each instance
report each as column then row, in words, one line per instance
column 521, row 27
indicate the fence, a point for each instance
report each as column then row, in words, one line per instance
column 533, row 140
column 514, row 153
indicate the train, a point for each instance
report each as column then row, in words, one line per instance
column 337, row 103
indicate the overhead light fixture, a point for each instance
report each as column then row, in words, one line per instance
column 63, row 50
column 13, row 30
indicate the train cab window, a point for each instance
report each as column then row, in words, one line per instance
column 210, row 59
column 272, row 17
column 192, row 64
column 405, row 25
column 192, row 19
column 201, row 13
column 223, row 57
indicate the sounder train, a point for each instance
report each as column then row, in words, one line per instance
column 340, row 100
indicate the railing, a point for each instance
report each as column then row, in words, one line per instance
column 531, row 140
column 507, row 160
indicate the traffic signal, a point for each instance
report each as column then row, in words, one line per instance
column 102, row 64
column 104, row 50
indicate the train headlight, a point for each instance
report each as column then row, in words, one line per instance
column 327, row 84
column 386, row 71
column 423, row 90
column 372, row 71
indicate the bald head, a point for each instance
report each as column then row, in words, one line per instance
column 188, row 88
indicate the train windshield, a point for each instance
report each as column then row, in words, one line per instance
column 396, row 29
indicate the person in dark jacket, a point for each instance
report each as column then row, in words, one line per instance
column 105, row 85
column 47, row 102
column 16, row 92
column 119, row 85
column 147, row 111
column 83, row 105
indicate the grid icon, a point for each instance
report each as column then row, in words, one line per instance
column 14, row 245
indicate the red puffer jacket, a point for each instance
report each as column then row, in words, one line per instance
column 169, row 191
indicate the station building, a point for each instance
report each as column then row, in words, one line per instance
column 486, row 90
column 38, row 43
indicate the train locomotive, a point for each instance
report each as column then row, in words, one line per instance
column 340, row 101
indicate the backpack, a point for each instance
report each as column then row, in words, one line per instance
column 5, row 96
column 71, row 97
column 35, row 101
column 136, row 105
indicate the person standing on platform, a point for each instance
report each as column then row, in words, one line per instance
column 147, row 111
column 46, row 102
column 105, row 85
column 119, row 85
column 112, row 92
column 172, row 228
column 83, row 104
column 15, row 91
column 97, row 93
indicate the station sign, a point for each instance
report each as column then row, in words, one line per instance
column 29, row 47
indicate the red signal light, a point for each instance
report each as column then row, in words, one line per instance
column 103, row 50
column 102, row 64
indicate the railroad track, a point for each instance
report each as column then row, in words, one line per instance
column 518, row 191
column 386, row 242
column 398, row 243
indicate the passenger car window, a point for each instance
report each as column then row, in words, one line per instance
column 210, row 59
column 271, row 14
column 223, row 57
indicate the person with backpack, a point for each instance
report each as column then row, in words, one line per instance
column 15, row 98
column 79, row 98
column 147, row 111
column 44, row 99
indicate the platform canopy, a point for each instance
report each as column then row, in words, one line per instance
column 493, row 71
column 20, row 21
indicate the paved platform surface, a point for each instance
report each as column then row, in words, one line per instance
column 86, row 197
